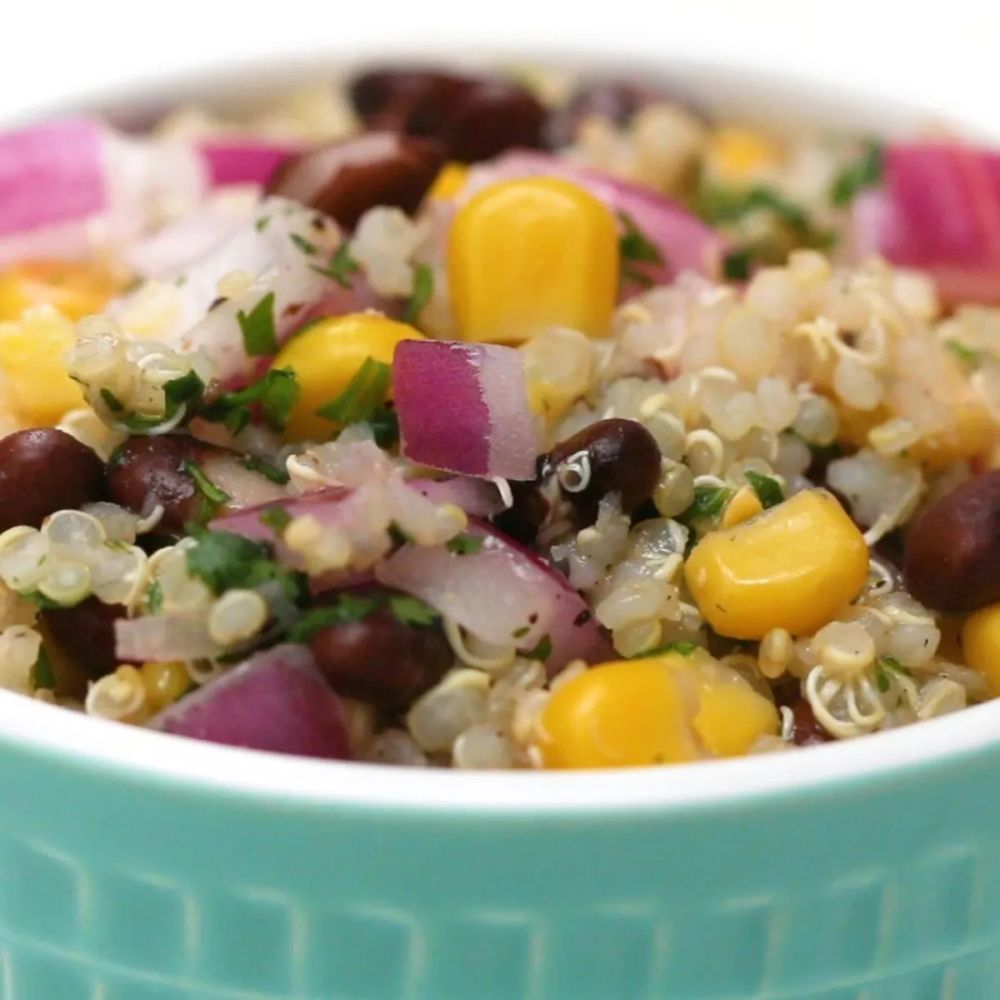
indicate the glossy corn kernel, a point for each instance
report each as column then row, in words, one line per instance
column 744, row 505
column 326, row 356
column 731, row 715
column 165, row 683
column 32, row 349
column 449, row 182
column 525, row 255
column 981, row 644
column 76, row 290
column 792, row 567
column 628, row 713
column 737, row 154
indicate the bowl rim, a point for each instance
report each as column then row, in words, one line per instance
column 145, row 756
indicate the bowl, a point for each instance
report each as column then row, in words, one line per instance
column 139, row 866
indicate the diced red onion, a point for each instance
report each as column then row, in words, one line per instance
column 67, row 187
column 464, row 408
column 276, row 700
column 502, row 593
column 244, row 487
column 937, row 210
column 477, row 497
column 684, row 241
column 236, row 159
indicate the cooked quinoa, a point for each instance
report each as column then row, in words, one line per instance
column 436, row 419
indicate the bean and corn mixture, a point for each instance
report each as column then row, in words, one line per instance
column 499, row 421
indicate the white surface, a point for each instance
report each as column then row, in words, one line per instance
column 941, row 56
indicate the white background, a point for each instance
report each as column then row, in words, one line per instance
column 942, row 56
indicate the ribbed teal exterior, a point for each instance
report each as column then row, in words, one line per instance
column 119, row 886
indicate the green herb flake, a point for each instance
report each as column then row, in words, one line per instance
column 635, row 245
column 412, row 611
column 223, row 561
column 212, row 497
column 885, row 667
column 865, row 172
column 736, row 264
column 709, row 501
column 347, row 609
column 276, row 392
column 465, row 545
column 364, row 395
column 276, row 518
column 42, row 671
column 423, row 289
column 520, row 633
column 542, row 651
column 309, row 249
column 260, row 339
column 273, row 473
column 340, row 267
column 684, row 647
column 111, row 401
column 720, row 206
column 154, row 597
column 261, row 224
column 768, row 489
column 967, row 355
column 42, row 602
column 186, row 390
column 385, row 426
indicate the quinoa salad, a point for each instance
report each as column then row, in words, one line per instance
column 452, row 418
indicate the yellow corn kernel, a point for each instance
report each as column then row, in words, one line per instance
column 981, row 643
column 628, row 713
column 744, row 505
column 731, row 715
column 32, row 352
column 165, row 683
column 792, row 567
column 76, row 290
column 449, row 182
column 325, row 358
column 736, row 154
column 972, row 434
column 529, row 254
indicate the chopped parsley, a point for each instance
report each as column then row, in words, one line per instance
column 340, row 267
column 348, row 608
column 635, row 247
column 465, row 545
column 385, row 426
column 260, row 338
column 865, row 172
column 542, row 651
column 261, row 224
column 212, row 497
column 44, row 603
column 412, row 611
column 44, row 677
column 364, row 396
column 111, row 401
column 223, row 561
column 423, row 289
column 736, row 264
column 276, row 518
column 967, row 355
column 768, row 489
column 185, row 390
column 885, row 666
column 309, row 249
column 682, row 646
column 154, row 597
column 276, row 393
column 269, row 471
column 709, row 501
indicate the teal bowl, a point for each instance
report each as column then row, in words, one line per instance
column 140, row 866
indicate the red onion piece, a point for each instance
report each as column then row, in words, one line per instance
column 235, row 159
column 464, row 408
column 502, row 593
column 276, row 700
column 684, row 241
column 477, row 497
column 937, row 210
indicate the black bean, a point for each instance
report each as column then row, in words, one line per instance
column 146, row 471
column 952, row 553
column 347, row 178
column 410, row 100
column 380, row 660
column 490, row 118
column 42, row 471
column 610, row 456
column 86, row 634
